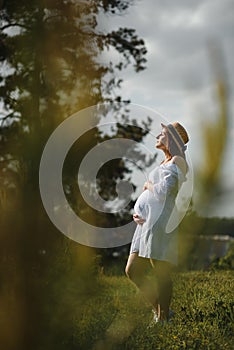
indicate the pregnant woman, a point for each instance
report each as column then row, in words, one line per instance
column 151, row 242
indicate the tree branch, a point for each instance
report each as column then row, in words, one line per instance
column 9, row 25
column 8, row 116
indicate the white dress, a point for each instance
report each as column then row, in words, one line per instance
column 151, row 240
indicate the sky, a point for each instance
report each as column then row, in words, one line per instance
column 183, row 38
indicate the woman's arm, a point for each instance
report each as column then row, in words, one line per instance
column 163, row 187
column 181, row 163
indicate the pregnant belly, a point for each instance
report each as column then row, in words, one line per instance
column 148, row 207
column 146, row 198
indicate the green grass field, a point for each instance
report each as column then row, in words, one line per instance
column 111, row 314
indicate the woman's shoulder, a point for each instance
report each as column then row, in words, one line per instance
column 181, row 163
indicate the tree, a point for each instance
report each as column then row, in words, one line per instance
column 51, row 68
column 54, row 71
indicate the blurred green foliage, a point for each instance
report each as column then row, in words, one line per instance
column 214, row 132
column 208, row 180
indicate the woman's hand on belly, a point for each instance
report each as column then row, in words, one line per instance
column 148, row 185
column 138, row 220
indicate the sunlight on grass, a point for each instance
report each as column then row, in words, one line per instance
column 117, row 316
column 114, row 315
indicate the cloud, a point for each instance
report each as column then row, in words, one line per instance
column 177, row 36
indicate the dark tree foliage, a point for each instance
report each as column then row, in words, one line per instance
column 51, row 68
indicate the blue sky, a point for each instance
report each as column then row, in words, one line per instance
column 179, row 81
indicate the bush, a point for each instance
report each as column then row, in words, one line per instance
column 226, row 262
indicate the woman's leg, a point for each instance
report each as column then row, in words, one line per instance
column 163, row 271
column 136, row 270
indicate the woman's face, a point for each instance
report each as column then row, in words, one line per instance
column 162, row 139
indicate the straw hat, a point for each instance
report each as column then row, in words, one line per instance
column 181, row 131
column 178, row 133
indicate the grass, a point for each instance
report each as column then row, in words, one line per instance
column 112, row 314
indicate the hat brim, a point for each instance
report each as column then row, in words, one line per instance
column 164, row 126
